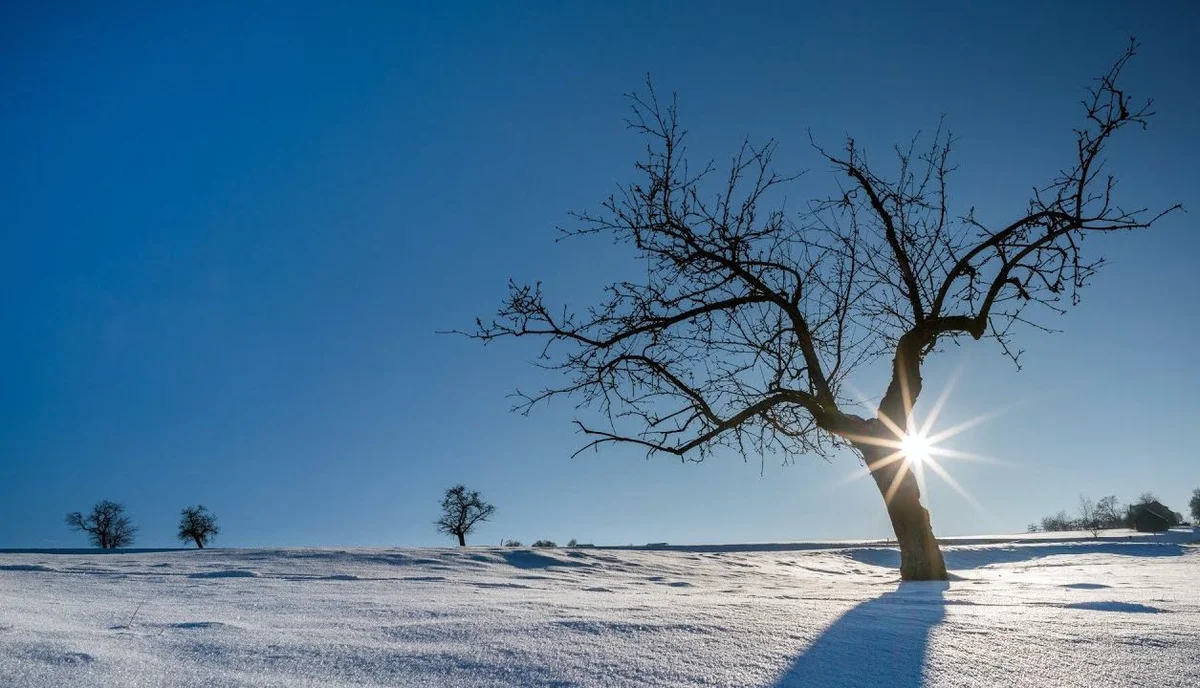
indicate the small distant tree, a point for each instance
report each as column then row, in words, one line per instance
column 1088, row 520
column 545, row 543
column 573, row 542
column 511, row 543
column 107, row 525
column 1032, row 528
column 1109, row 512
column 1195, row 505
column 197, row 524
column 461, row 512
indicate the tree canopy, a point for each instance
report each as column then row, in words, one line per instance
column 107, row 525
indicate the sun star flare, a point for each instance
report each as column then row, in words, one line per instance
column 918, row 447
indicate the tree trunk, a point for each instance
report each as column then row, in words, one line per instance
column 462, row 539
column 199, row 542
column 920, row 555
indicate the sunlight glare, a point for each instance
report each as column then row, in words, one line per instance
column 916, row 447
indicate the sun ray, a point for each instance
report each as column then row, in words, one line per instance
column 918, row 469
column 965, row 425
column 940, row 402
column 895, row 486
column 954, row 484
column 865, row 470
column 874, row 441
column 947, row 453
column 883, row 417
column 886, row 461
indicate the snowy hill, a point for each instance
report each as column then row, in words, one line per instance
column 1038, row 613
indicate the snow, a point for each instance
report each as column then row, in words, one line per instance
column 1039, row 612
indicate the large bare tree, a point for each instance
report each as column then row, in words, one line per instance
column 107, row 526
column 750, row 319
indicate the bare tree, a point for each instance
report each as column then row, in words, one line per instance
column 1194, row 504
column 107, row 525
column 1088, row 517
column 197, row 524
column 1109, row 512
column 750, row 320
column 461, row 512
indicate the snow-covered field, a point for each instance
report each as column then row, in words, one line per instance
column 1108, row 613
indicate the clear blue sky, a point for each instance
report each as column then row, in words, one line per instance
column 230, row 235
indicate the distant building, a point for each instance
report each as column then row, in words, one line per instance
column 1152, row 517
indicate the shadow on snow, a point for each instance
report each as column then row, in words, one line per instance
column 525, row 559
column 883, row 641
column 880, row 642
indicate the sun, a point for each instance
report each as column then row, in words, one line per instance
column 916, row 447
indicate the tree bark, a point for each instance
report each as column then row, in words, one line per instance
column 199, row 542
column 920, row 555
column 462, row 539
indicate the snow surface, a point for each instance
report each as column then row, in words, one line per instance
column 1112, row 612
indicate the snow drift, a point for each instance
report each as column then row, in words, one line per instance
column 1030, row 614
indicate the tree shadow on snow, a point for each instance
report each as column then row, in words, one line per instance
column 881, row 642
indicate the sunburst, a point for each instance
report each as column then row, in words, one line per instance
column 918, row 448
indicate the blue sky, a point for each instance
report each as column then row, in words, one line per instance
column 231, row 234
